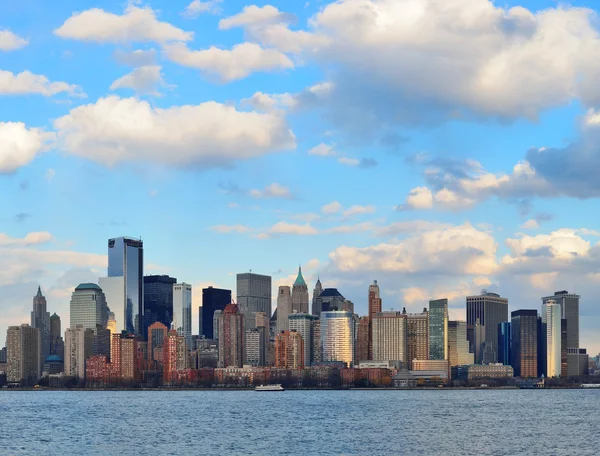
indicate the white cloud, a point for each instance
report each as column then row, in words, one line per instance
column 36, row 238
column 411, row 226
column 135, row 25
column 268, row 102
column 531, row 224
column 349, row 161
column 115, row 130
column 143, row 80
column 356, row 228
column 332, row 208
column 10, row 42
column 136, row 58
column 322, row 150
column 27, row 82
column 561, row 244
column 237, row 63
column 19, row 145
column 227, row 229
column 274, row 190
column 418, row 198
column 253, row 16
column 198, row 7
column 285, row 228
column 358, row 210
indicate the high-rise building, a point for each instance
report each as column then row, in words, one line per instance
column 231, row 337
column 361, row 350
column 40, row 319
column 23, row 346
column 491, row 310
column 390, row 337
column 175, row 357
column 158, row 300
column 317, row 348
column 114, row 292
column 504, row 343
column 337, row 336
column 417, row 327
column 126, row 260
column 374, row 300
column 316, row 309
column 88, row 307
column 57, row 345
column 125, row 356
column 216, row 316
column 551, row 324
column 255, row 347
column 458, row 345
column 263, row 326
column 284, row 308
column 524, row 338
column 157, row 334
column 303, row 324
column 289, row 350
column 182, row 311
column 569, row 308
column 438, row 329
column 300, row 294
column 331, row 300
column 213, row 299
column 102, row 340
column 253, row 295
column 79, row 346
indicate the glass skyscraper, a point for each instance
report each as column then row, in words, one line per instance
column 524, row 338
column 438, row 329
column 213, row 299
column 158, row 300
column 337, row 337
column 126, row 259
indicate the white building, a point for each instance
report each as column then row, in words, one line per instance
column 303, row 323
column 551, row 316
column 337, row 337
column 284, row 308
column 79, row 346
column 182, row 311
column 390, row 336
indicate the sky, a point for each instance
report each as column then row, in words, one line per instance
column 440, row 148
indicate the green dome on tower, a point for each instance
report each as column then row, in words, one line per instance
column 299, row 280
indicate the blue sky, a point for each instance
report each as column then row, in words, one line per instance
column 439, row 148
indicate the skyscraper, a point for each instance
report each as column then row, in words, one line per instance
column 438, row 329
column 361, row 350
column 157, row 335
column 316, row 309
column 417, row 327
column 126, row 260
column 551, row 324
column 458, row 345
column 57, row 346
column 374, row 300
column 303, row 324
column 504, row 343
column 23, row 346
column 330, row 300
column 255, row 347
column 491, row 310
column 212, row 299
column 231, row 337
column 569, row 308
column 182, row 311
column 300, row 294
column 337, row 337
column 390, row 337
column 263, row 327
column 79, row 346
column 158, row 300
column 40, row 319
column 524, row 335
column 284, row 308
column 88, row 307
column 253, row 295
column 289, row 350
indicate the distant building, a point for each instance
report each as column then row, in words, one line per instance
column 40, row 319
column 125, row 357
column 300, row 294
column 317, row 350
column 23, row 346
column 174, row 357
column 216, row 316
column 213, row 299
column 157, row 335
column 491, row 310
column 361, row 349
column 504, row 343
column 231, row 337
column 331, row 299
column 253, row 295
column 374, row 299
column 417, row 326
column 569, row 308
column 88, row 307
column 486, row 371
column 431, row 365
column 289, row 350
column 438, row 329
column 158, row 300
column 57, row 345
column 390, row 337
column 458, row 345
column 303, row 324
column 578, row 361
column 255, row 347
column 263, row 327
column 316, row 309
column 79, row 346
column 551, row 324
column 182, row 311
column 524, row 336
column 284, row 308
column 337, row 337
column 53, row 365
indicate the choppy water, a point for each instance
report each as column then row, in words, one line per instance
column 300, row 422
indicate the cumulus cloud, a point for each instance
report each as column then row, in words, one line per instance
column 418, row 198
column 115, row 130
column 136, row 58
column 265, row 102
column 229, row 65
column 143, row 80
column 322, row 150
column 10, row 41
column 36, row 238
column 290, row 229
column 359, row 210
column 136, row 24
column 198, row 7
column 332, row 208
column 19, row 145
column 274, row 190
column 28, row 83
column 254, row 16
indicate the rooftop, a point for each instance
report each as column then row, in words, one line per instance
column 330, row 292
column 87, row 286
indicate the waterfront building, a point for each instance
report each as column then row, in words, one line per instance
column 263, row 326
column 317, row 350
column 40, row 319
column 491, row 310
column 57, row 345
column 53, row 365
column 182, row 311
column 569, row 308
column 125, row 357
column 361, row 349
column 174, row 357
column 284, row 308
column 79, row 346
column 158, row 300
column 417, row 342
column 303, row 324
column 374, row 300
column 504, row 343
column 438, row 329
column 524, row 337
column 300, row 294
column 126, row 262
column 157, row 335
column 458, row 345
column 389, row 333
column 255, row 347
column 578, row 361
column 88, row 307
column 316, row 309
column 231, row 337
column 289, row 350
column 213, row 299
column 337, row 337
column 431, row 365
column 253, row 295
column 551, row 329
column 495, row 370
column 23, row 346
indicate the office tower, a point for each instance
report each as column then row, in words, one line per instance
column 361, row 350
column 175, row 357
column 79, row 346
column 157, row 334
column 88, row 307
column 182, row 311
column 303, row 324
column 524, row 335
column 40, row 319
column 102, row 339
column 438, row 329
column 491, row 310
column 417, row 328
column 57, row 345
column 504, row 343
column 551, row 321
column 569, row 308
column 126, row 261
column 263, row 326
column 390, row 337
column 231, row 337
column 331, row 300
column 3, row 355
column 125, row 356
column 213, row 299
column 23, row 346
column 216, row 316
column 300, row 294
column 253, row 295
column 158, row 300
column 53, row 365
column 374, row 300
column 564, row 366
column 289, row 350
column 317, row 349
column 284, row 308
column 255, row 347
column 458, row 345
column 316, row 309
column 337, row 337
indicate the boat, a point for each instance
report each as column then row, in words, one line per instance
column 276, row 387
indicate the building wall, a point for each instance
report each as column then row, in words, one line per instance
column 88, row 307
column 253, row 295
column 524, row 330
column 284, row 308
column 303, row 324
column 390, row 337
column 182, row 310
column 418, row 336
column 231, row 337
column 458, row 345
column 79, row 346
column 551, row 321
column 158, row 300
column 438, row 329
column 289, row 350
column 23, row 346
column 375, row 306
column 212, row 299
column 491, row 310
column 362, row 339
column 337, row 337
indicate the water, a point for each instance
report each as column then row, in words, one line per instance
column 476, row 422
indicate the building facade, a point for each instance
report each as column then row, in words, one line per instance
column 284, row 308
column 303, row 324
column 375, row 305
column 417, row 345
column 337, row 337
column 23, row 347
column 458, row 345
column 231, row 337
column 213, row 299
column 88, row 307
column 79, row 346
column 158, row 300
column 316, row 309
column 390, row 337
column 491, row 310
column 361, row 349
column 253, row 295
column 300, row 294
column 438, row 329
column 524, row 337
column 289, row 350
column 569, row 308
column 504, row 343
column 40, row 319
column 255, row 347
column 551, row 324
column 182, row 311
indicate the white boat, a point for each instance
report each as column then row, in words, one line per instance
column 276, row 387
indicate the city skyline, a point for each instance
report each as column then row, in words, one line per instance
column 436, row 180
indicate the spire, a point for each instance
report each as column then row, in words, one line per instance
column 39, row 292
column 299, row 280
